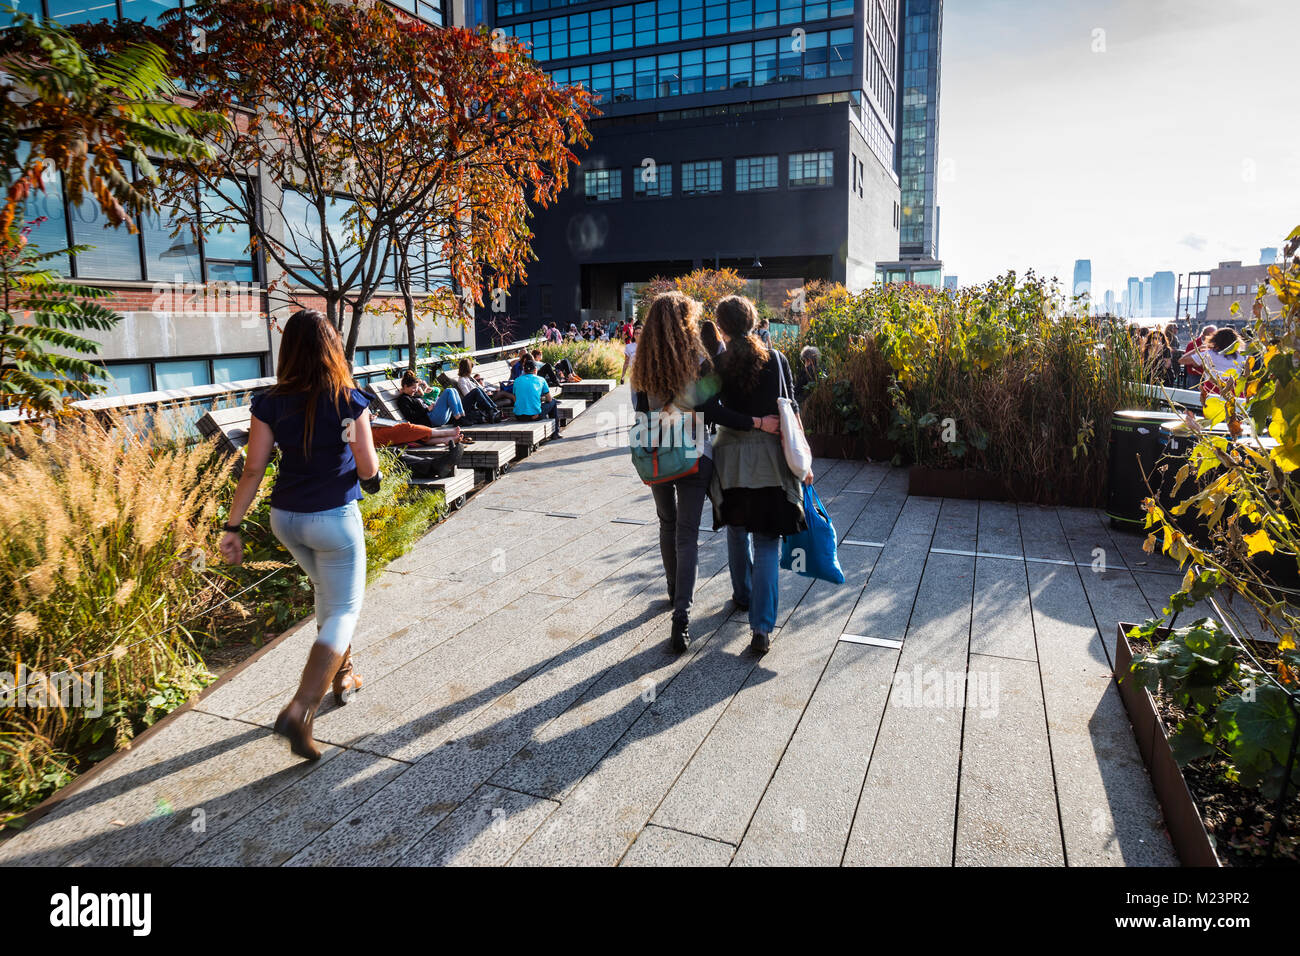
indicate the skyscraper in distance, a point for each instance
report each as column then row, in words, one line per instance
column 1162, row 295
column 1082, row 277
column 1268, row 255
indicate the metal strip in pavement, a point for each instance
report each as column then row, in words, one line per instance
column 560, row 514
column 1057, row 561
column 629, row 521
column 862, row 544
column 871, row 641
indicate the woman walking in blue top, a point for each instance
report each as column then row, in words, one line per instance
column 321, row 423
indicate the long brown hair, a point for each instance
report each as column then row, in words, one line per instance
column 669, row 351
column 312, row 364
column 746, row 355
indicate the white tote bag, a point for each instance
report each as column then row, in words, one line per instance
column 793, row 441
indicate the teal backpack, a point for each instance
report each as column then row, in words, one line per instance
column 663, row 450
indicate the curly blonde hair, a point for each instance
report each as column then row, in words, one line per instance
column 668, row 351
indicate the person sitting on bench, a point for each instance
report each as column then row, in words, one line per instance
column 532, row 398
column 447, row 410
column 387, row 432
column 557, row 374
column 474, row 394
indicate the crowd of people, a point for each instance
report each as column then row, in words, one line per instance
column 1199, row 364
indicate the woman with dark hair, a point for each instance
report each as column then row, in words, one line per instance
column 672, row 377
column 1216, row 357
column 709, row 338
column 754, row 493
column 321, row 423
column 473, row 392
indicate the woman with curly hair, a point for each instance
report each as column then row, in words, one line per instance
column 672, row 376
column 754, row 493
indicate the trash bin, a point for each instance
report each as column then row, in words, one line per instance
column 1137, row 442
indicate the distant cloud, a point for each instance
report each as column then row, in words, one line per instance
column 1194, row 242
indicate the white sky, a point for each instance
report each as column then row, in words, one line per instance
column 1176, row 148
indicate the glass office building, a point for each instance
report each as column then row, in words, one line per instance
column 770, row 126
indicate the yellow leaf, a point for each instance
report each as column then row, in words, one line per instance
column 1257, row 542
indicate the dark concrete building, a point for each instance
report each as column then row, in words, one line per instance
column 755, row 134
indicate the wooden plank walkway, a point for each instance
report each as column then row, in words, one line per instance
column 951, row 704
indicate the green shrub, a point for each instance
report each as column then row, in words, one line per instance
column 589, row 359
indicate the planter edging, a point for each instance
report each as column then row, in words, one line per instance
column 1192, row 842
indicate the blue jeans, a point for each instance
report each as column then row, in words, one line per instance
column 331, row 547
column 446, row 408
column 754, row 575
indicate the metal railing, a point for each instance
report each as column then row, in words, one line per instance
column 202, row 398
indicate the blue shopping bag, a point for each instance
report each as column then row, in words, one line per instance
column 811, row 553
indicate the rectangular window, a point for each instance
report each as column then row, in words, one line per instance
column 812, row 169
column 114, row 252
column 129, row 379
column 840, row 56
column 755, row 172
column 1241, row 290
column 227, row 368
column 701, row 178
column 653, row 182
column 742, row 65
column 184, row 374
column 51, row 234
column 670, row 76
column 167, row 257
column 82, row 11
column 603, row 185
column 692, row 72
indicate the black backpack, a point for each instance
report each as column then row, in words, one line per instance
column 435, row 462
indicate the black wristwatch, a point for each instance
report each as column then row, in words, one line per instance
column 235, row 528
column 372, row 484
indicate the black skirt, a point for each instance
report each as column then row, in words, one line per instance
column 759, row 511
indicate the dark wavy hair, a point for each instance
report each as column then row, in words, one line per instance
column 746, row 355
column 312, row 364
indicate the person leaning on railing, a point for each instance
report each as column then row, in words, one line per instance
column 322, row 424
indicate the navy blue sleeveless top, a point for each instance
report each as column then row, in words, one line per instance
column 326, row 476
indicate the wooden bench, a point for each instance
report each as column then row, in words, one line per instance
column 493, row 457
column 229, row 425
column 387, row 393
column 569, row 409
column 455, row 488
column 526, row 435
column 589, row 388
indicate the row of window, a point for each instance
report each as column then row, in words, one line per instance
column 151, row 11
column 664, row 21
column 736, row 66
column 155, row 255
column 704, row 177
column 132, row 378
column 151, row 255
column 1227, row 290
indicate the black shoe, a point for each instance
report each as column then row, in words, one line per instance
column 761, row 643
column 681, row 639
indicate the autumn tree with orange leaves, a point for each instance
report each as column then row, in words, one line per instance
column 436, row 133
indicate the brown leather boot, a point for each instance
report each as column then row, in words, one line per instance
column 295, row 721
column 347, row 681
